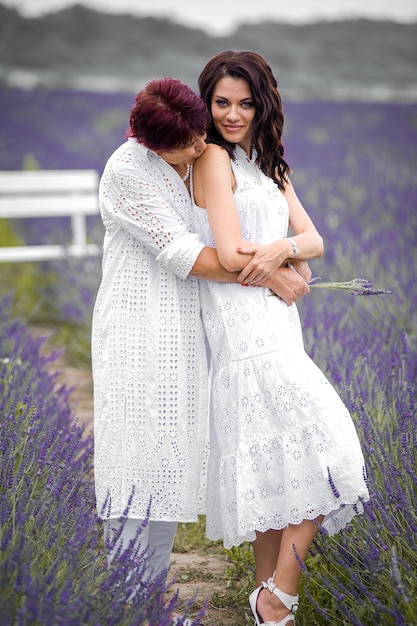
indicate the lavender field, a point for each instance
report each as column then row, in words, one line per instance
column 354, row 168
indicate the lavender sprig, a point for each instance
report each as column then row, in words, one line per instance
column 357, row 287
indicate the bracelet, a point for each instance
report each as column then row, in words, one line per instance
column 295, row 248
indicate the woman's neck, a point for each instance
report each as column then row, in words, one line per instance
column 246, row 148
column 183, row 170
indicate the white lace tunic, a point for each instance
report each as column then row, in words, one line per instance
column 283, row 446
column 148, row 353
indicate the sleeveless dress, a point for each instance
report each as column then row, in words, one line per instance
column 283, row 446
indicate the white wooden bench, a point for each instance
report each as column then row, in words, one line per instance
column 50, row 193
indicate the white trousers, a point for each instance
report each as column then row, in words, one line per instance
column 158, row 537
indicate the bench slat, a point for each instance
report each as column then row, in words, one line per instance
column 49, row 206
column 45, row 253
column 50, row 193
column 46, row 181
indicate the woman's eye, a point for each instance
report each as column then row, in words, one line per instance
column 221, row 103
column 247, row 105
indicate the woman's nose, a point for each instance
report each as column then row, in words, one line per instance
column 232, row 113
column 200, row 146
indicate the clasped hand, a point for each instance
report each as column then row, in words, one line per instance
column 288, row 281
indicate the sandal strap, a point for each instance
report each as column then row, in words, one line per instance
column 290, row 602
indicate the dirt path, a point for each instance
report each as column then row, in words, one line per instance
column 203, row 577
column 195, row 575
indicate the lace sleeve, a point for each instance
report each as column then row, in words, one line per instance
column 181, row 255
column 143, row 204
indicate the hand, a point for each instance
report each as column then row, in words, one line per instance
column 287, row 284
column 266, row 259
column 303, row 268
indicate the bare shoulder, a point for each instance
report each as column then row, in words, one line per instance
column 213, row 148
column 212, row 174
column 212, row 155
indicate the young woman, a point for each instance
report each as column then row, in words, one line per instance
column 284, row 453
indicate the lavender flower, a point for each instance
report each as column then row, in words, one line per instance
column 361, row 194
column 53, row 558
column 357, row 287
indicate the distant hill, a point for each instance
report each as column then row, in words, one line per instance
column 82, row 48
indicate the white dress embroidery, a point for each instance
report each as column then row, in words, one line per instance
column 148, row 353
column 283, row 446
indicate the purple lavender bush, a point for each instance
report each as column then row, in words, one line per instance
column 53, row 566
column 354, row 169
column 356, row 178
column 368, row 573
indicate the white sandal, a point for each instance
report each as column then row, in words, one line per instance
column 253, row 601
column 290, row 602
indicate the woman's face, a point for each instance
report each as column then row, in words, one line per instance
column 185, row 155
column 233, row 110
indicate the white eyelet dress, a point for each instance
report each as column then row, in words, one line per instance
column 283, row 446
column 148, row 346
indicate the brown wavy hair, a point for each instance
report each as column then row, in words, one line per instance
column 167, row 115
column 267, row 125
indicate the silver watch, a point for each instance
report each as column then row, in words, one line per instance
column 295, row 248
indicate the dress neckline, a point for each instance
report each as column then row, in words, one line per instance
column 243, row 153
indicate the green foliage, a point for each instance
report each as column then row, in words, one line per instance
column 58, row 295
column 30, row 162
column 192, row 537
column 7, row 235
column 109, row 120
column 240, row 574
column 22, row 279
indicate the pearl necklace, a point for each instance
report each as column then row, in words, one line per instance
column 187, row 173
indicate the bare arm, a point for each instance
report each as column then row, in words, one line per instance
column 286, row 283
column 267, row 257
column 213, row 189
column 208, row 267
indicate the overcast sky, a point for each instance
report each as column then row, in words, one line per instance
column 222, row 16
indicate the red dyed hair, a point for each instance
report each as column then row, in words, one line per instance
column 167, row 115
